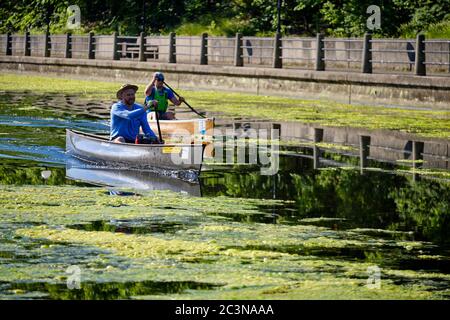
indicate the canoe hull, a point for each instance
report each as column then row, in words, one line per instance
column 173, row 157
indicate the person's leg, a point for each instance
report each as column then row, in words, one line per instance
column 119, row 139
column 167, row 116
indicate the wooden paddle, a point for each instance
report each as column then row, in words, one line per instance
column 184, row 101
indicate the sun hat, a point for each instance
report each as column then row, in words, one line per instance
column 125, row 87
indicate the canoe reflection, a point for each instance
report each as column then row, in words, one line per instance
column 134, row 179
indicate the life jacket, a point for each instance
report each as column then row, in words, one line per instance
column 163, row 104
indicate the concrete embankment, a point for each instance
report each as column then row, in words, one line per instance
column 387, row 89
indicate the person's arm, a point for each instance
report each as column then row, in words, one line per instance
column 127, row 114
column 151, row 103
column 173, row 98
column 149, row 87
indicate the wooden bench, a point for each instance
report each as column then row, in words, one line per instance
column 152, row 52
column 132, row 51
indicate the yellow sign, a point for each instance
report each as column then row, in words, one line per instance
column 171, row 149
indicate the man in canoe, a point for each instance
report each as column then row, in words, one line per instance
column 157, row 96
column 127, row 117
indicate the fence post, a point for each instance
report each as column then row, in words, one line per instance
column 141, row 46
column 204, row 49
column 417, row 150
column 320, row 53
column 448, row 56
column 47, row 44
column 115, row 54
column 277, row 62
column 8, row 50
column 238, row 52
column 27, row 49
column 91, row 52
column 420, row 55
column 172, row 44
column 68, row 52
column 417, row 158
column 367, row 54
column 364, row 151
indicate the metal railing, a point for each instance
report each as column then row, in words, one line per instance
column 293, row 50
column 220, row 50
column 340, row 50
column 418, row 56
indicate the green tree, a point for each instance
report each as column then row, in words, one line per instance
column 25, row 15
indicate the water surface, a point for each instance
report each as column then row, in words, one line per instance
column 318, row 227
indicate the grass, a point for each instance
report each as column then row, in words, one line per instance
column 425, row 123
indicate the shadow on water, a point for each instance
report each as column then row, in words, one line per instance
column 98, row 291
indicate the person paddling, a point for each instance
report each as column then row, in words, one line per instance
column 127, row 117
column 157, row 96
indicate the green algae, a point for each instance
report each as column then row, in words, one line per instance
column 426, row 123
column 128, row 245
column 243, row 260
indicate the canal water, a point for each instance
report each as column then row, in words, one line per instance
column 386, row 214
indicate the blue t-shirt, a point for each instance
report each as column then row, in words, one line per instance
column 126, row 122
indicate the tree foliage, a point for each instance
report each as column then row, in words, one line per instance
column 251, row 17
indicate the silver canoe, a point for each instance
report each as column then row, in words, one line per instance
column 178, row 160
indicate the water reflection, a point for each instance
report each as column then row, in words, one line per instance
column 375, row 199
column 98, row 291
column 24, row 172
column 133, row 179
column 135, row 226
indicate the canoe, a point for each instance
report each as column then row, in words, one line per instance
column 178, row 160
column 186, row 131
column 130, row 179
column 197, row 129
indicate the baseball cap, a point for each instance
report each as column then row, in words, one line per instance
column 159, row 76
